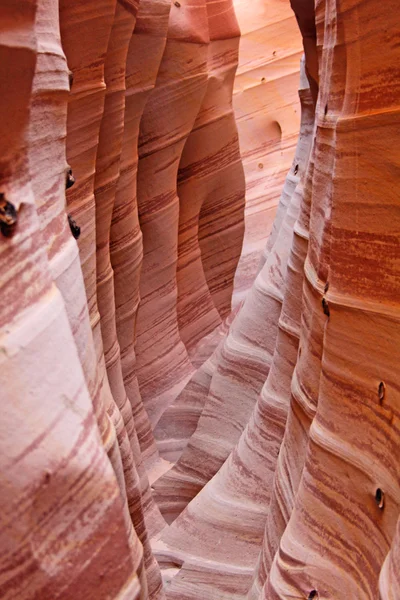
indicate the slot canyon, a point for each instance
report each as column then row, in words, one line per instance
column 200, row 300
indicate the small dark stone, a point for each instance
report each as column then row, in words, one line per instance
column 70, row 179
column 325, row 307
column 380, row 498
column 381, row 391
column 8, row 217
column 75, row 229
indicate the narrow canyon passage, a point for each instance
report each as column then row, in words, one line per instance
column 199, row 300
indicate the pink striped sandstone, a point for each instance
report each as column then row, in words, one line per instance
column 210, row 163
column 244, row 481
column 267, row 112
column 334, row 491
column 180, row 420
column 214, row 146
column 88, row 95
column 126, row 249
column 163, row 365
column 48, row 168
column 279, row 58
column 291, row 452
column 59, row 490
column 243, row 363
column 211, row 188
column 321, row 252
column 107, row 174
column 337, row 530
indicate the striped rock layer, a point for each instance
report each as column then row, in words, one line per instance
column 244, row 481
column 345, row 499
column 267, row 74
column 336, row 487
column 174, row 328
column 64, row 530
column 267, row 113
column 242, row 361
column 78, row 513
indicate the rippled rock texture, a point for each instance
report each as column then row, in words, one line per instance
column 199, row 318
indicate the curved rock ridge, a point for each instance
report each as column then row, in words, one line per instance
column 244, row 481
column 59, row 491
column 114, row 31
column 294, row 444
column 180, row 420
column 199, row 404
column 163, row 364
column 290, row 460
column 268, row 67
column 218, row 162
column 347, row 502
column 210, row 167
column 267, row 112
column 211, row 191
column 241, row 366
column 126, row 248
column 105, row 185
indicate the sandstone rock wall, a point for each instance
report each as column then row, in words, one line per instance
column 199, row 401
column 269, row 56
column 89, row 80
column 65, row 524
column 336, row 483
column 267, row 113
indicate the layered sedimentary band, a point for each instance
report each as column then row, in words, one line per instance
column 198, row 355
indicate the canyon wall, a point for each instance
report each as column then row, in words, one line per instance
column 200, row 237
column 267, row 114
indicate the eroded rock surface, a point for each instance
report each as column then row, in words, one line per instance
column 199, row 382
